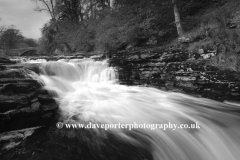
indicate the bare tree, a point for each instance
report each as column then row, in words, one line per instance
column 48, row 5
column 2, row 28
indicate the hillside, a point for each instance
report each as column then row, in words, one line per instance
column 217, row 31
column 107, row 26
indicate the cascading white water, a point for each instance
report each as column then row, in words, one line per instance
column 88, row 91
column 28, row 60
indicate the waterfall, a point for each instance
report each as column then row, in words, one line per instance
column 88, row 91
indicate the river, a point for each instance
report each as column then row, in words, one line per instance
column 88, row 92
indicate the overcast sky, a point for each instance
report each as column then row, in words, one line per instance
column 21, row 14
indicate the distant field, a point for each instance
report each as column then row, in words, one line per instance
column 17, row 52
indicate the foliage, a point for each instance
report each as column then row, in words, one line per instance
column 229, row 61
column 98, row 25
column 47, row 41
column 12, row 38
column 90, row 25
column 215, row 30
column 30, row 42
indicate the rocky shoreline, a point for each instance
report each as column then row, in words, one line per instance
column 28, row 119
column 23, row 102
column 25, row 106
column 172, row 69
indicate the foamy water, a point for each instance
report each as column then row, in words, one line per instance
column 88, row 91
column 28, row 60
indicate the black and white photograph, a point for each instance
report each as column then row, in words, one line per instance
column 120, row 79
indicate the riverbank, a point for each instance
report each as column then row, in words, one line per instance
column 23, row 102
column 28, row 112
column 87, row 93
column 174, row 69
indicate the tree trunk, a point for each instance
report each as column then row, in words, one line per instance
column 177, row 19
column 112, row 2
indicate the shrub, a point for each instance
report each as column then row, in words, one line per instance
column 226, row 61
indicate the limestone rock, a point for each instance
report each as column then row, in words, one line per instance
column 22, row 102
column 172, row 69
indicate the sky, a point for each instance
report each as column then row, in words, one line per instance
column 21, row 14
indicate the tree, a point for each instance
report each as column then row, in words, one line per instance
column 11, row 38
column 49, row 6
column 2, row 28
column 112, row 3
column 30, row 42
column 177, row 19
column 71, row 10
column 84, row 25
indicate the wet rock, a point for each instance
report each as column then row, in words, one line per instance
column 185, row 78
column 186, row 85
column 49, row 107
column 169, row 85
column 12, row 102
column 34, row 109
column 32, row 115
column 20, row 87
column 52, row 143
column 23, row 103
column 13, row 73
column 32, row 67
column 47, row 118
column 6, row 61
column 45, row 99
column 10, row 140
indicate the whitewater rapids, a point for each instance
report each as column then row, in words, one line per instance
column 88, row 91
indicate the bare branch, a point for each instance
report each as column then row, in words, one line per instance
column 49, row 7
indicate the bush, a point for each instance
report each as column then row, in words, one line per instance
column 226, row 61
